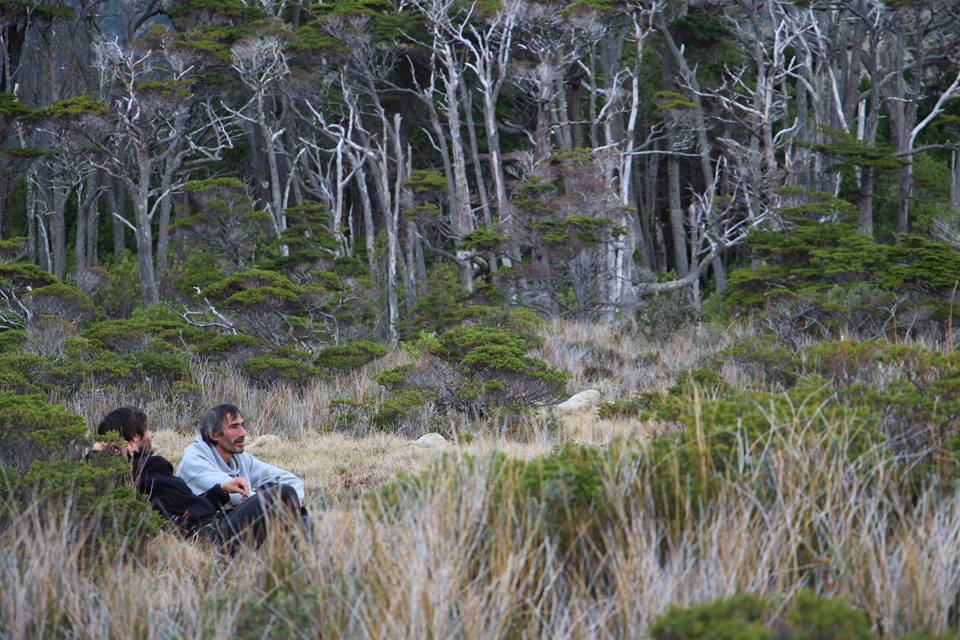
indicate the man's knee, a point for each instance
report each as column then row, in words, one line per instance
column 288, row 496
column 284, row 495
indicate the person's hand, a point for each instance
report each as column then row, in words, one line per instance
column 237, row 485
column 113, row 448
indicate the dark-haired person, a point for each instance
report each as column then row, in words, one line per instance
column 217, row 456
column 193, row 515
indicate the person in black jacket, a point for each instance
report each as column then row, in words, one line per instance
column 198, row 516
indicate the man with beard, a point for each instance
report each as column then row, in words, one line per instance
column 217, row 456
column 196, row 516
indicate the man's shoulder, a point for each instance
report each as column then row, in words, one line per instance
column 196, row 448
column 245, row 458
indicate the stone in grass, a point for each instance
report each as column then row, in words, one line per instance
column 587, row 400
column 430, row 441
column 265, row 439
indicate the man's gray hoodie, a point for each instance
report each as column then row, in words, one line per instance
column 202, row 467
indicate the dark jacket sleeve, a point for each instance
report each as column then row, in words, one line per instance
column 170, row 495
column 217, row 496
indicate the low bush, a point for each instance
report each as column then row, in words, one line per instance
column 813, row 617
column 744, row 617
column 346, row 357
column 41, row 463
column 480, row 369
column 739, row 617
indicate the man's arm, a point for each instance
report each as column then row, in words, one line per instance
column 262, row 473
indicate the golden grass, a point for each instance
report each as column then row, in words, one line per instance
column 337, row 466
column 458, row 559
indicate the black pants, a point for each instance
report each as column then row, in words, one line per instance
column 251, row 520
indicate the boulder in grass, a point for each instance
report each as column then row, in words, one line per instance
column 431, row 441
column 267, row 438
column 582, row 402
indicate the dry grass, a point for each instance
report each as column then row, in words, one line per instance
column 619, row 363
column 458, row 558
column 450, row 562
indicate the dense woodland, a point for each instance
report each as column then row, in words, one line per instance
column 339, row 161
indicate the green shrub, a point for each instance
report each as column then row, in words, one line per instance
column 12, row 340
column 21, row 372
column 31, row 430
column 119, row 298
column 823, row 279
column 813, row 617
column 646, row 402
column 349, row 356
column 765, row 360
column 738, row 617
column 287, row 610
column 99, row 494
column 61, row 300
column 568, row 487
column 706, row 380
column 40, row 462
column 269, row 369
column 481, row 369
column 394, row 410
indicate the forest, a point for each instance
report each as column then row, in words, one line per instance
column 368, row 220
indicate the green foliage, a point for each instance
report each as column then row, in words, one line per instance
column 60, row 300
column 31, row 429
column 74, row 107
column 765, row 359
column 270, row 369
column 100, row 496
column 392, row 412
column 286, row 610
column 119, row 297
column 568, row 488
column 229, row 343
column 427, row 182
column 12, row 340
column 349, row 356
column 813, row 617
column 439, row 307
column 821, row 279
column 213, row 40
column 671, row 100
column 850, row 151
column 483, row 239
column 738, row 617
column 11, row 108
column 255, row 288
column 20, row 275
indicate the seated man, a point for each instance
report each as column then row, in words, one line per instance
column 193, row 515
column 217, row 456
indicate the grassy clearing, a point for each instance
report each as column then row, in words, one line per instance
column 411, row 543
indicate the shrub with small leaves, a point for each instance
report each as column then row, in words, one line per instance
column 813, row 617
column 346, row 357
column 739, row 617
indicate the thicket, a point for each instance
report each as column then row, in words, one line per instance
column 820, row 280
column 43, row 466
column 747, row 617
column 232, row 302
column 480, row 368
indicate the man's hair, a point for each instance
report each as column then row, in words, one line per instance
column 129, row 422
column 212, row 424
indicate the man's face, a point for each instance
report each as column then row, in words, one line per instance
column 234, row 434
column 141, row 444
